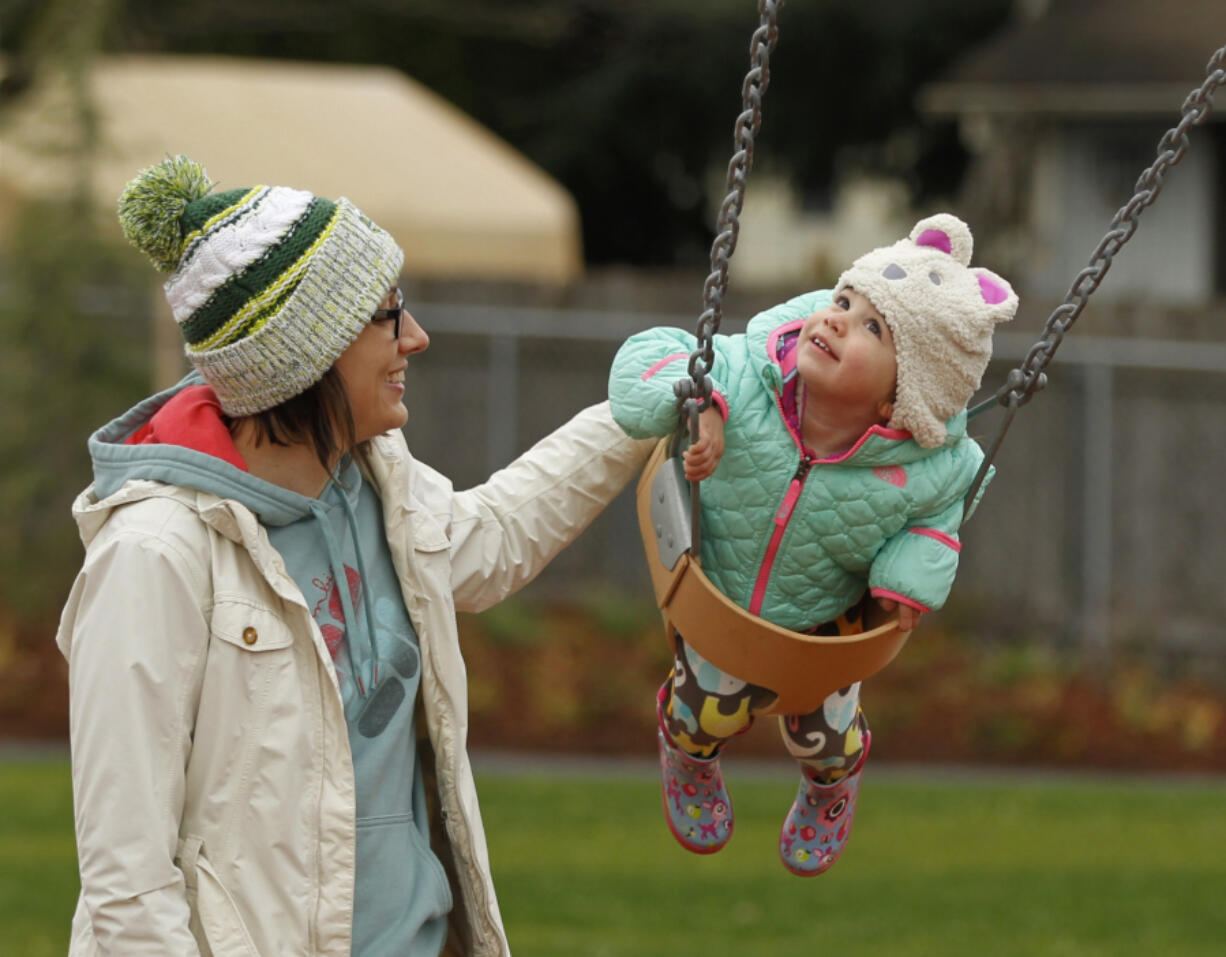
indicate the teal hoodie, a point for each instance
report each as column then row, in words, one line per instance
column 789, row 536
column 335, row 551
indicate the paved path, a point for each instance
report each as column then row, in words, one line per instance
column 504, row 763
column 530, row 762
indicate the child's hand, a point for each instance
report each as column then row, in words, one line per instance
column 908, row 617
column 701, row 458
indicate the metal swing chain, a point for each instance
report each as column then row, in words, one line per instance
column 1028, row 378
column 694, row 394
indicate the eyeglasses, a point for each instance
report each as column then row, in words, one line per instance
column 392, row 315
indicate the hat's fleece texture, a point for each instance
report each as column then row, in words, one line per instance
column 269, row 284
column 941, row 313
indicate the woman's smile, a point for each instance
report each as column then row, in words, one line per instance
column 376, row 395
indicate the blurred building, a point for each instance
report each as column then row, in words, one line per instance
column 1062, row 112
column 462, row 202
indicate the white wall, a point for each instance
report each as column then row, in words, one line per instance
column 1082, row 176
column 781, row 243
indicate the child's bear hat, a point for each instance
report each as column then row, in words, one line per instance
column 941, row 313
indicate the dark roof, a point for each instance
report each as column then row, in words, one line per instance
column 1128, row 56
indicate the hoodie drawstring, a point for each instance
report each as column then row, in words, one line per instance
column 367, row 602
column 342, row 586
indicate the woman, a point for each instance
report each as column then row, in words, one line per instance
column 268, row 705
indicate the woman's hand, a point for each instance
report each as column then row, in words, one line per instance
column 701, row 458
column 908, row 617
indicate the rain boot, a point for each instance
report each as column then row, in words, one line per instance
column 819, row 823
column 696, row 804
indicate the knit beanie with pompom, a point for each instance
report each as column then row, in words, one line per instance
column 269, row 285
column 941, row 313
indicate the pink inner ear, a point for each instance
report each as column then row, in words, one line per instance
column 993, row 292
column 936, row 238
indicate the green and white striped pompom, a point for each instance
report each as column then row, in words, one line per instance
column 151, row 204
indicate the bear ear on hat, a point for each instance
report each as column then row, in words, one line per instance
column 997, row 294
column 946, row 233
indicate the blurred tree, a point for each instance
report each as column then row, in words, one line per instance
column 70, row 342
column 628, row 103
column 71, row 348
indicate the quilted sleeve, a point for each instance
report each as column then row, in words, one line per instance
column 644, row 370
column 917, row 566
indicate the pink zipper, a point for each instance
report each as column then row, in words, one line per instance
column 782, row 516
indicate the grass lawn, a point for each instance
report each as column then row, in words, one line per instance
column 38, row 857
column 585, row 866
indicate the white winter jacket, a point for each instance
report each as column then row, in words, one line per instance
column 212, row 776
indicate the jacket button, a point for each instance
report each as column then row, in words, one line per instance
column 250, row 635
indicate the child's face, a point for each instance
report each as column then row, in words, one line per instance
column 846, row 356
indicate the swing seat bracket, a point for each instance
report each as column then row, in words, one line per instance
column 670, row 512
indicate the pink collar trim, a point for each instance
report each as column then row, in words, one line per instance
column 191, row 419
column 772, row 348
column 892, row 435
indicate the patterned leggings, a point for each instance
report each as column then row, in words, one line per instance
column 706, row 707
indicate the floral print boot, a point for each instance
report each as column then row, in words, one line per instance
column 819, row 823
column 696, row 804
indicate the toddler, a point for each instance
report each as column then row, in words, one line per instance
column 834, row 460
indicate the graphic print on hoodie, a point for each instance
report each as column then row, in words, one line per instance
column 384, row 674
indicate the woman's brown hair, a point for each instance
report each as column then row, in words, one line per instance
column 319, row 416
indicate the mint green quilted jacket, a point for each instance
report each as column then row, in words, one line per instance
column 788, row 536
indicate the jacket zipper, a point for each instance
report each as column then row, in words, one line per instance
column 782, row 516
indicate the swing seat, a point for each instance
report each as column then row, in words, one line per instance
column 803, row 670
